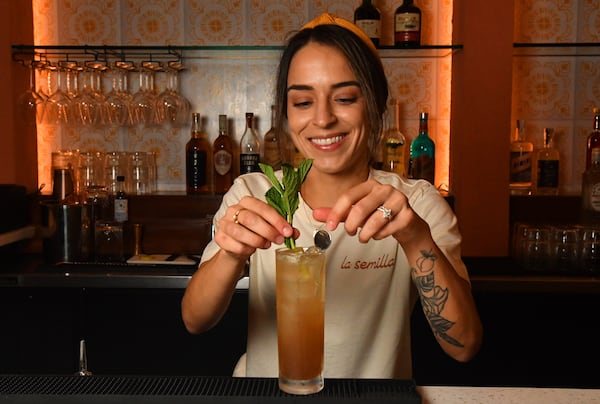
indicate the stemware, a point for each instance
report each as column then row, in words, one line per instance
column 57, row 105
column 143, row 102
column 173, row 107
column 30, row 103
column 117, row 100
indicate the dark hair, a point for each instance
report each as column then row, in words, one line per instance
column 365, row 65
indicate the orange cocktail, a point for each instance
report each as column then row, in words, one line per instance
column 300, row 319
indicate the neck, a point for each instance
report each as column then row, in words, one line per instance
column 321, row 190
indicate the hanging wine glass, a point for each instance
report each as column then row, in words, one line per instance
column 30, row 104
column 56, row 106
column 116, row 104
column 174, row 107
column 144, row 100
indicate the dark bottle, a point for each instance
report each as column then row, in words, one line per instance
column 197, row 162
column 407, row 25
column 422, row 153
column 593, row 139
column 272, row 141
column 590, row 190
column 121, row 204
column 249, row 147
column 223, row 158
column 368, row 18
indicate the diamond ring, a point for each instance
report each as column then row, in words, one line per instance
column 387, row 213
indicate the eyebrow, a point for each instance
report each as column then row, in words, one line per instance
column 305, row 87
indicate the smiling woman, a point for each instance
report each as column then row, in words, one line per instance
column 392, row 238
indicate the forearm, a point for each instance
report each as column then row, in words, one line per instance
column 209, row 291
column 447, row 301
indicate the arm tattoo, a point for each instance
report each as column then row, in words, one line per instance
column 433, row 297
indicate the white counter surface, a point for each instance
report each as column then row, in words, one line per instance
column 503, row 395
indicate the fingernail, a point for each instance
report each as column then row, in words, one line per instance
column 331, row 225
column 279, row 240
column 288, row 231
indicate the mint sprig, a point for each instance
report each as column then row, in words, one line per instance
column 284, row 196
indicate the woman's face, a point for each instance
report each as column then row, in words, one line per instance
column 326, row 110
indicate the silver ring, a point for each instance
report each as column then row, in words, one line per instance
column 387, row 213
column 235, row 216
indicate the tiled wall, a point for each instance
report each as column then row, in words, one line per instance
column 237, row 82
column 558, row 90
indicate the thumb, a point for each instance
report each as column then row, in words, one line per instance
column 321, row 214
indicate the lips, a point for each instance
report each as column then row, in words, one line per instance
column 327, row 141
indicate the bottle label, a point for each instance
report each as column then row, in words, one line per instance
column 196, row 169
column 595, row 197
column 223, row 161
column 520, row 167
column 370, row 27
column 406, row 27
column 249, row 163
column 121, row 210
column 394, row 158
column 547, row 174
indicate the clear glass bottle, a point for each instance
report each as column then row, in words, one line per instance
column 590, row 190
column 121, row 203
column 547, row 166
column 422, row 152
column 249, row 147
column 393, row 141
column 521, row 155
column 407, row 25
column 368, row 18
column 197, row 159
column 593, row 139
column 272, row 141
column 223, row 158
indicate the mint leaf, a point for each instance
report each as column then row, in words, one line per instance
column 284, row 196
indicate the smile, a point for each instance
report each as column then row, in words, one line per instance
column 327, row 141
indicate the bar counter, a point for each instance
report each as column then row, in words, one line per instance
column 488, row 274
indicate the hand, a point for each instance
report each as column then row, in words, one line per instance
column 251, row 224
column 360, row 209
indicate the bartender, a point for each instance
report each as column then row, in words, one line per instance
column 393, row 240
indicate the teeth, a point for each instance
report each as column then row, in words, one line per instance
column 327, row 141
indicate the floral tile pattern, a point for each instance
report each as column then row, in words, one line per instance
column 238, row 82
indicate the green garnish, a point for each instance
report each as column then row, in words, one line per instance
column 284, row 196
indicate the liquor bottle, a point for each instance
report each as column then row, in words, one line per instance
column 368, row 18
column 547, row 164
column 593, row 139
column 197, row 159
column 590, row 190
column 393, row 141
column 521, row 155
column 249, row 147
column 272, row 141
column 407, row 25
column 422, row 152
column 121, row 204
column 223, row 158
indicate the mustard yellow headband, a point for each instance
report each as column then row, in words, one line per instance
column 327, row 19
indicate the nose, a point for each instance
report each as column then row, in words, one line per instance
column 324, row 114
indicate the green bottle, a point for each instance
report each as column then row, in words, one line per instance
column 422, row 153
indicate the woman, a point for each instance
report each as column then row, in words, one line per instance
column 394, row 239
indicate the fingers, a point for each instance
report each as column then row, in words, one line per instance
column 249, row 225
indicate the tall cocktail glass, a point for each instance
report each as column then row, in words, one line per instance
column 300, row 282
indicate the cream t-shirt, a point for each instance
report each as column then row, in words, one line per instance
column 369, row 292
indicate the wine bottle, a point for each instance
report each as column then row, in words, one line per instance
column 590, row 190
column 272, row 141
column 393, row 141
column 593, row 139
column 121, row 205
column 368, row 18
column 407, row 25
column 547, row 166
column 249, row 147
column 521, row 155
column 223, row 158
column 197, row 162
column 422, row 152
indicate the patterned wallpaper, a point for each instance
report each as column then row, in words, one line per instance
column 558, row 89
column 230, row 82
